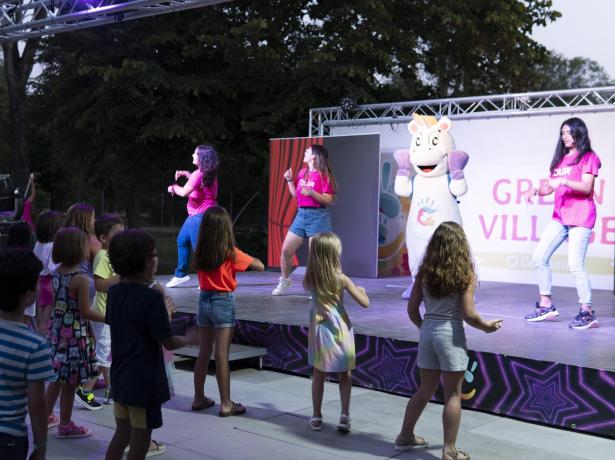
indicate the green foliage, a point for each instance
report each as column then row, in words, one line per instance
column 117, row 109
column 562, row 73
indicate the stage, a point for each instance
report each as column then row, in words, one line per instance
column 542, row 372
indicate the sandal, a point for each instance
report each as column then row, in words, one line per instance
column 411, row 442
column 52, row 420
column 344, row 424
column 72, row 431
column 315, row 423
column 157, row 448
column 205, row 404
column 454, row 454
column 236, row 409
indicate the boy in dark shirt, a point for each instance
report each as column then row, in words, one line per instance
column 139, row 323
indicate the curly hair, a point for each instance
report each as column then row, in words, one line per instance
column 323, row 275
column 447, row 266
column 208, row 163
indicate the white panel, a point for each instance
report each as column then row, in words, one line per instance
column 508, row 155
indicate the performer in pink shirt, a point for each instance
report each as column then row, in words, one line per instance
column 314, row 188
column 574, row 168
column 202, row 192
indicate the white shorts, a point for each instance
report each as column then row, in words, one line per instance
column 103, row 343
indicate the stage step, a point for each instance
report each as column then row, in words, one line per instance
column 236, row 352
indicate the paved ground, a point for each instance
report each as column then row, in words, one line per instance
column 275, row 427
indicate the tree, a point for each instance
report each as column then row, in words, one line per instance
column 559, row 72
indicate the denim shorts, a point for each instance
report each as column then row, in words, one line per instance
column 310, row 221
column 442, row 346
column 216, row 309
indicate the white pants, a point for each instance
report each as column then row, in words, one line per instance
column 578, row 239
column 103, row 343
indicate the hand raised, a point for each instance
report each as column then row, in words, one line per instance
column 288, row 174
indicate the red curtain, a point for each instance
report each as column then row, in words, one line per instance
column 283, row 154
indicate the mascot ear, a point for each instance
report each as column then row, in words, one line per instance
column 414, row 127
column 444, row 124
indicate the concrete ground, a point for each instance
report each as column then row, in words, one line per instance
column 275, row 427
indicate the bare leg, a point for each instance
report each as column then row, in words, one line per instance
column 345, row 390
column 44, row 313
column 223, row 338
column 67, row 398
column 451, row 415
column 318, row 389
column 545, row 301
column 53, row 391
column 291, row 243
column 139, row 443
column 416, row 405
column 120, row 440
column 88, row 386
column 206, row 339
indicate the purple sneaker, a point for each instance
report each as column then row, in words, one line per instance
column 542, row 313
column 584, row 320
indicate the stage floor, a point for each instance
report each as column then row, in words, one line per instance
column 550, row 341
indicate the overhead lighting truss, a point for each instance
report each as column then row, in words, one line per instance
column 505, row 105
column 23, row 19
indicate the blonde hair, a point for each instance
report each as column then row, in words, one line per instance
column 323, row 277
column 447, row 266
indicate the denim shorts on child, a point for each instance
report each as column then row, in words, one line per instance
column 442, row 345
column 216, row 309
column 310, row 221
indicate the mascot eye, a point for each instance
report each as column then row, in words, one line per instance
column 418, row 141
column 435, row 141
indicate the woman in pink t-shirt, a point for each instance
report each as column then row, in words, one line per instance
column 574, row 168
column 314, row 188
column 202, row 192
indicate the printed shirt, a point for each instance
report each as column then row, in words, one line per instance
column 314, row 180
column 24, row 357
column 223, row 279
column 102, row 269
column 573, row 208
column 201, row 198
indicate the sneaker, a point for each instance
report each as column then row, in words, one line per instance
column 282, row 286
column 175, row 281
column 542, row 313
column 73, row 431
column 87, row 400
column 584, row 320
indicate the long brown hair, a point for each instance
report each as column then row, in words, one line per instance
column 322, row 164
column 447, row 266
column 323, row 275
column 216, row 242
column 80, row 215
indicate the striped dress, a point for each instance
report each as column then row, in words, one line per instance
column 331, row 342
column 24, row 357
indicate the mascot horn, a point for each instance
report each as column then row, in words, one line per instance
column 439, row 180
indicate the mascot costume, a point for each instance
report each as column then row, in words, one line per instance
column 439, row 180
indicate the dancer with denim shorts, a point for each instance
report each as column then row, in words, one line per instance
column 445, row 283
column 574, row 168
column 314, row 188
column 217, row 261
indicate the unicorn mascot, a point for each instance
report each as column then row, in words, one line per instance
column 439, row 180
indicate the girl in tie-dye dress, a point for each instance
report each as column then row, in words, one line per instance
column 330, row 339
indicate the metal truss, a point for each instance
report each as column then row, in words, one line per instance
column 505, row 105
column 22, row 19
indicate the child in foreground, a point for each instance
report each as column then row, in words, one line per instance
column 25, row 363
column 445, row 283
column 217, row 261
column 139, row 323
column 330, row 340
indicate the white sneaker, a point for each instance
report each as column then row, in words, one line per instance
column 175, row 281
column 282, row 286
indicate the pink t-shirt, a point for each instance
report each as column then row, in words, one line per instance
column 315, row 180
column 573, row 208
column 201, row 198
